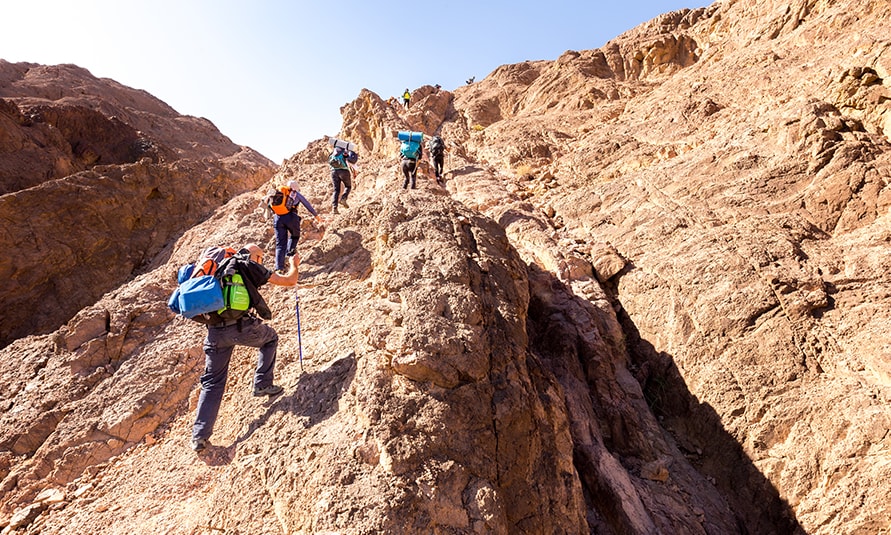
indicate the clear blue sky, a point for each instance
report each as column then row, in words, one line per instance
column 273, row 74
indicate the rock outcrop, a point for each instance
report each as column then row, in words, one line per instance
column 652, row 297
column 95, row 179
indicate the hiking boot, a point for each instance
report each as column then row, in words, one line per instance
column 343, row 202
column 335, row 209
column 271, row 390
column 198, row 444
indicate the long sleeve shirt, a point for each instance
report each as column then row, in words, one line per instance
column 296, row 197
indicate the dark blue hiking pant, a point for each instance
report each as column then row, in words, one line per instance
column 287, row 234
column 218, row 348
column 338, row 177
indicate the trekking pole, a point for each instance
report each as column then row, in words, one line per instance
column 299, row 341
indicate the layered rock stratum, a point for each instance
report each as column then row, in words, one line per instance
column 651, row 297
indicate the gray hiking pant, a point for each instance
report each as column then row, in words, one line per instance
column 218, row 347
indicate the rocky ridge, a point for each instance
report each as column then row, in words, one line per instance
column 95, row 179
column 652, row 303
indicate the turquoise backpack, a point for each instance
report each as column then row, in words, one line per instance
column 410, row 149
column 337, row 160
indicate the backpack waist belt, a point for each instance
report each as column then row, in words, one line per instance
column 228, row 323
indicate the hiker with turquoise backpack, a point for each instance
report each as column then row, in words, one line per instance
column 411, row 153
column 236, row 323
column 341, row 157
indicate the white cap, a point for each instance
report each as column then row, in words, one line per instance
column 293, row 185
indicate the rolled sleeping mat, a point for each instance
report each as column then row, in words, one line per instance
column 406, row 135
column 339, row 143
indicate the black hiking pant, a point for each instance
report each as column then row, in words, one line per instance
column 410, row 170
column 338, row 177
column 438, row 160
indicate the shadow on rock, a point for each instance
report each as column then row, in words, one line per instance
column 314, row 398
column 697, row 429
column 620, row 448
column 338, row 250
column 466, row 170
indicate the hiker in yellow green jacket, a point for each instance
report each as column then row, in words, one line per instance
column 406, row 98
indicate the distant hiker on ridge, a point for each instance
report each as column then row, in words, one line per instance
column 406, row 99
column 247, row 330
column 283, row 203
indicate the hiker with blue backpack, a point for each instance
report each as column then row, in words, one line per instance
column 283, row 203
column 229, row 327
column 340, row 162
column 411, row 153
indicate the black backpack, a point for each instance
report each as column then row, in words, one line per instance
column 436, row 146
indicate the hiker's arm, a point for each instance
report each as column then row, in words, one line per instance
column 306, row 204
column 289, row 278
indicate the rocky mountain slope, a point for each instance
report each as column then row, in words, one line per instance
column 652, row 297
column 95, row 179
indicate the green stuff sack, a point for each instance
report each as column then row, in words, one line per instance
column 235, row 294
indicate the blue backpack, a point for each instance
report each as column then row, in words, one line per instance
column 410, row 149
column 214, row 291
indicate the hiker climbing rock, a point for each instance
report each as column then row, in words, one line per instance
column 283, row 203
column 246, row 330
column 437, row 148
column 411, row 152
column 406, row 99
column 340, row 160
